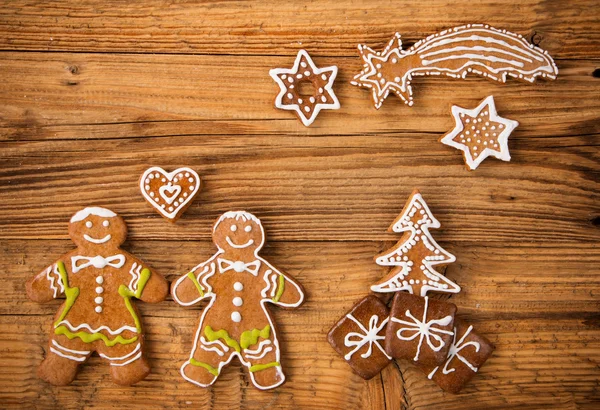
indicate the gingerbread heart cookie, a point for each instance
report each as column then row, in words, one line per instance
column 171, row 193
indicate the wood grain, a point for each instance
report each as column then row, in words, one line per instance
column 93, row 93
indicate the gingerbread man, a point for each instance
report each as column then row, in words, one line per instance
column 98, row 280
column 236, row 321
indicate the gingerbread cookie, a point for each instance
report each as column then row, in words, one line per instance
column 170, row 193
column 420, row 329
column 416, row 254
column 290, row 81
column 236, row 323
column 359, row 337
column 475, row 48
column 480, row 133
column 99, row 281
column 467, row 353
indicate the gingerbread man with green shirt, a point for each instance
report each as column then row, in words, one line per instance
column 236, row 322
column 98, row 280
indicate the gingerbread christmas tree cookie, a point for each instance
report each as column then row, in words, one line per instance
column 467, row 353
column 413, row 258
column 240, row 286
column 472, row 49
column 291, row 82
column 359, row 337
column 99, row 281
column 480, row 133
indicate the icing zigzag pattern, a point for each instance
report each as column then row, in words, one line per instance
column 473, row 48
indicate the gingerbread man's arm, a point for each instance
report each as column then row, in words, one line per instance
column 192, row 287
column 144, row 283
column 281, row 289
column 48, row 284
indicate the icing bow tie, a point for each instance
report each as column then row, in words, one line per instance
column 82, row 262
column 371, row 336
column 239, row 266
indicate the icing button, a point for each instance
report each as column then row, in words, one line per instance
column 238, row 301
column 99, row 289
column 236, row 317
column 99, row 280
column 239, row 266
column 98, row 309
column 99, row 299
column 238, row 286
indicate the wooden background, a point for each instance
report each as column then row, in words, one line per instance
column 93, row 93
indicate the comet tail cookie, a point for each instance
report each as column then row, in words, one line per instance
column 98, row 280
column 471, row 49
column 240, row 286
column 170, row 193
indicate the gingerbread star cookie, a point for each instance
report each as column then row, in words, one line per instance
column 290, row 82
column 480, row 133
column 470, row 49
column 170, row 193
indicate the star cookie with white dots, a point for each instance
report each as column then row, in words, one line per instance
column 480, row 133
column 304, row 71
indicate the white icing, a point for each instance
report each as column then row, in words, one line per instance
column 454, row 351
column 236, row 317
column 500, row 152
column 238, row 286
column 98, row 309
column 88, row 224
column 138, row 347
column 136, row 274
column 233, row 245
column 423, row 329
column 215, row 346
column 170, row 176
column 478, row 42
column 401, row 255
column 81, row 352
column 97, row 241
column 99, row 262
column 238, row 301
column 53, row 276
column 99, row 280
column 99, row 299
column 259, row 348
column 259, row 356
column 96, row 330
column 105, row 224
column 306, row 120
column 368, row 336
column 66, row 356
column 207, row 271
column 128, row 361
column 92, row 210
column 239, row 266
column 99, row 289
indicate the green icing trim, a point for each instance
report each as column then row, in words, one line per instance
column 259, row 367
column 195, row 282
column 127, row 294
column 280, row 288
column 250, row 337
column 70, row 293
column 92, row 337
column 207, row 366
column 221, row 334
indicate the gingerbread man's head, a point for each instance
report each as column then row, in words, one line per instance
column 238, row 231
column 96, row 227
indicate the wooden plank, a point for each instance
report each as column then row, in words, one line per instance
column 297, row 185
column 106, row 96
column 327, row 27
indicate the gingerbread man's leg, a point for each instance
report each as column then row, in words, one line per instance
column 208, row 357
column 127, row 363
column 263, row 364
column 64, row 356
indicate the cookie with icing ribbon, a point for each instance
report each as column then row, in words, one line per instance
column 240, row 287
column 99, row 282
column 170, row 193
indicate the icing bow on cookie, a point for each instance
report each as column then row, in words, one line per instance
column 239, row 266
column 369, row 336
column 116, row 261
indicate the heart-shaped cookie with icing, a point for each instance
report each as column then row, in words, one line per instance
column 170, row 192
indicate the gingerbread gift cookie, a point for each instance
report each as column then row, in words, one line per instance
column 480, row 133
column 471, row 49
column 99, row 281
column 420, row 329
column 305, row 73
column 416, row 254
column 170, row 193
column 359, row 337
column 467, row 353
column 240, row 286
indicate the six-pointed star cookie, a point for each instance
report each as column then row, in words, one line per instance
column 304, row 71
column 480, row 133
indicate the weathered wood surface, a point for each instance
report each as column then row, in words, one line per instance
column 91, row 94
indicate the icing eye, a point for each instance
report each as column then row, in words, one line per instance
column 88, row 224
column 105, row 223
column 233, row 228
column 248, row 228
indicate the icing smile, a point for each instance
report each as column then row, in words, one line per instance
column 97, row 241
column 233, row 245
